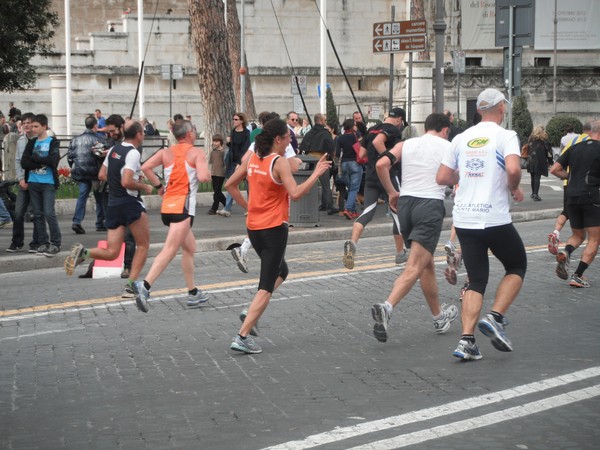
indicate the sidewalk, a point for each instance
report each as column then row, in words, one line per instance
column 217, row 233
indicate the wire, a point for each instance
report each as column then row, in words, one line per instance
column 291, row 65
column 339, row 61
column 137, row 89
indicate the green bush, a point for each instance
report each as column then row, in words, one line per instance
column 558, row 124
column 331, row 111
column 522, row 123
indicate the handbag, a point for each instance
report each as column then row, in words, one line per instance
column 361, row 152
column 524, row 162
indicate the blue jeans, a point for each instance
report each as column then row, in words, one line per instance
column 4, row 214
column 21, row 205
column 43, row 199
column 352, row 174
column 84, row 192
column 228, row 202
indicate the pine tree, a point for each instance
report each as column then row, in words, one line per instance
column 522, row 123
column 331, row 110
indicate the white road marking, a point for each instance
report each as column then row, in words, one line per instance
column 485, row 420
column 21, row 336
column 341, row 433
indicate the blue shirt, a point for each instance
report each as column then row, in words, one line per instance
column 101, row 124
column 44, row 174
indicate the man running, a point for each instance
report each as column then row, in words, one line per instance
column 420, row 209
column 121, row 169
column 184, row 166
column 485, row 158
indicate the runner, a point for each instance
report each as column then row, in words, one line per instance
column 184, row 166
column 272, row 185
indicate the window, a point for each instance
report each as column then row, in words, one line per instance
column 541, row 62
column 110, row 83
column 473, row 62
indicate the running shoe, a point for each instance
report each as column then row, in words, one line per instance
column 254, row 330
column 450, row 313
column 495, row 331
column 467, row 351
column 463, row 290
column 14, row 248
column 41, row 249
column 240, row 258
column 141, row 295
column 401, row 258
column 349, row 252
column 553, row 243
column 382, row 319
column 562, row 267
column 52, row 250
column 198, row 299
column 127, row 292
column 453, row 256
column 451, row 275
column 578, row 282
column 449, row 247
column 245, row 345
column 75, row 258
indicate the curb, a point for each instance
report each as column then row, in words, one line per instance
column 30, row 262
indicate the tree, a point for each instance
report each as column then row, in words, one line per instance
column 557, row 126
column 234, row 37
column 331, row 111
column 209, row 38
column 522, row 123
column 26, row 27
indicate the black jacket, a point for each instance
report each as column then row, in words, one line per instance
column 31, row 161
column 84, row 163
column 318, row 139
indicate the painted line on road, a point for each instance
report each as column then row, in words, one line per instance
column 227, row 286
column 485, row 420
column 342, row 433
column 40, row 333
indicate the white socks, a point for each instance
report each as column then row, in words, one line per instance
column 246, row 245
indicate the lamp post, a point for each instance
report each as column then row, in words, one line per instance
column 439, row 26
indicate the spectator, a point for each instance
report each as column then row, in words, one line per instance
column 540, row 157
column 217, row 172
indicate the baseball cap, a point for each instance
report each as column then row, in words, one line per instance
column 490, row 98
column 397, row 112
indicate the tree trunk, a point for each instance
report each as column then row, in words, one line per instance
column 234, row 37
column 417, row 12
column 209, row 38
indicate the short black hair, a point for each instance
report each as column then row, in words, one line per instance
column 437, row 122
column 90, row 122
column 348, row 124
column 28, row 116
column 116, row 120
column 132, row 130
column 177, row 117
column 42, row 119
column 218, row 138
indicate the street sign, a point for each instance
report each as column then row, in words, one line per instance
column 523, row 26
column 171, row 71
column 399, row 44
column 301, row 83
column 396, row 37
column 406, row 27
column 458, row 61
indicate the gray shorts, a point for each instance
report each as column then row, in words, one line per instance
column 421, row 220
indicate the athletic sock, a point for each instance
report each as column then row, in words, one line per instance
column 86, row 253
column 581, row 268
column 193, row 291
column 497, row 316
column 246, row 245
column 569, row 249
column 469, row 338
column 388, row 307
column 439, row 316
column 557, row 234
column 147, row 285
column 243, row 338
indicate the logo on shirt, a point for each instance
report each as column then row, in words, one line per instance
column 475, row 164
column 478, row 142
column 115, row 155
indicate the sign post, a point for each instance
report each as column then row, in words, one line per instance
column 171, row 72
column 458, row 66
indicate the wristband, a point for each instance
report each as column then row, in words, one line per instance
column 158, row 186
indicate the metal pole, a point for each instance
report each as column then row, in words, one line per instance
column 140, row 4
column 409, row 106
column 391, row 87
column 457, row 96
column 511, row 25
column 68, row 63
column 323, row 102
column 439, row 26
column 555, row 55
column 243, row 62
column 170, row 91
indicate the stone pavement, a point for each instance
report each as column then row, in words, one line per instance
column 81, row 368
column 217, row 233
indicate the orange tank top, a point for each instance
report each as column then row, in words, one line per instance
column 177, row 189
column 268, row 201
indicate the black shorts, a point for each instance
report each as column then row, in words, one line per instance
column 168, row 219
column 584, row 216
column 270, row 246
column 421, row 220
column 122, row 212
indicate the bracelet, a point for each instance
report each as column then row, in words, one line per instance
column 158, row 186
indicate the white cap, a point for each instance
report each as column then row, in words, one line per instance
column 490, row 98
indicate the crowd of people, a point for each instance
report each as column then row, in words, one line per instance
column 379, row 164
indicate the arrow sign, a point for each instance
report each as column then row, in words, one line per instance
column 377, row 29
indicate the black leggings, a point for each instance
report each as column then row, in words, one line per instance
column 218, row 196
column 270, row 246
column 505, row 244
column 535, row 183
column 373, row 191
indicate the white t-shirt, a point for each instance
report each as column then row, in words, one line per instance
column 483, row 198
column 566, row 139
column 421, row 158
